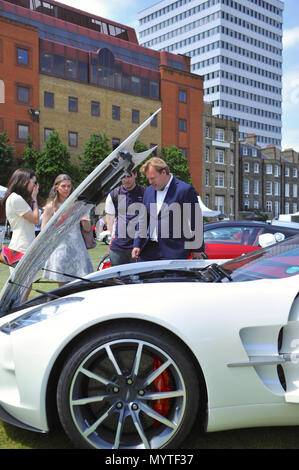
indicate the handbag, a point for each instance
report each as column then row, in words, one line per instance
column 88, row 237
column 8, row 256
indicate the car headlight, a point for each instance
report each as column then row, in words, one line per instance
column 44, row 312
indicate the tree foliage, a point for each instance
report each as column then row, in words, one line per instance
column 6, row 158
column 53, row 160
column 30, row 155
column 177, row 163
column 95, row 150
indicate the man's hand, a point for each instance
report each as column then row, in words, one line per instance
column 135, row 253
column 199, row 255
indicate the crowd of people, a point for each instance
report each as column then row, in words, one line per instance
column 128, row 203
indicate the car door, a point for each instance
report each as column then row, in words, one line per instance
column 230, row 241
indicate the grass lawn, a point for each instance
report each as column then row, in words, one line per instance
column 261, row 438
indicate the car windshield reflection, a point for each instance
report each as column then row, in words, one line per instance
column 276, row 262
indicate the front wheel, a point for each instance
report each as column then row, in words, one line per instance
column 128, row 388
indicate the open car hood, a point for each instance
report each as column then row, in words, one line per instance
column 91, row 191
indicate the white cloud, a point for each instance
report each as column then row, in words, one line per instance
column 290, row 139
column 290, row 37
column 124, row 12
column 290, row 90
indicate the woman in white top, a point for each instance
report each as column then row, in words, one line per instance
column 22, row 210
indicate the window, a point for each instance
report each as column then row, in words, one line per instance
column 207, row 154
column 256, row 187
column 246, row 186
column 73, row 139
column 287, row 171
column 246, row 167
column 136, row 85
column 295, row 190
column 256, row 168
column 219, row 156
column 183, row 96
column 48, row 99
column 219, row 134
column 73, row 104
column 245, row 151
column 269, row 206
column 47, row 133
column 135, row 116
column 2, row 92
column 23, row 94
column 219, row 179
column 287, row 190
column 71, row 68
column 276, row 188
column 46, row 62
column 276, row 171
column 22, row 56
column 95, row 108
column 219, row 203
column 256, row 204
column 207, row 132
column 154, row 89
column 269, row 188
column 269, row 170
column 23, row 131
column 116, row 112
column 207, row 177
column 254, row 152
column 295, row 173
column 182, row 125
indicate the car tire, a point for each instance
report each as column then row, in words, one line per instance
column 109, row 391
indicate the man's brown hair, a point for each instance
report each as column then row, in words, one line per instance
column 156, row 163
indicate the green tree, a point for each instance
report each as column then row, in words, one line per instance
column 177, row 163
column 175, row 160
column 53, row 160
column 30, row 155
column 6, row 158
column 95, row 150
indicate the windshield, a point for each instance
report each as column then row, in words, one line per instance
column 276, row 262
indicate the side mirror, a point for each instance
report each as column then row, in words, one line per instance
column 268, row 239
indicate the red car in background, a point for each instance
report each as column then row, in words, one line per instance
column 229, row 240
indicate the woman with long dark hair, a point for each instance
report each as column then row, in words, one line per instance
column 71, row 255
column 21, row 208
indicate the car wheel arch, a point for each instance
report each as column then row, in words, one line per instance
column 51, row 405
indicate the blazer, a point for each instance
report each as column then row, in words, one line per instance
column 179, row 223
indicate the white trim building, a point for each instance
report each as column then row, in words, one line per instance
column 237, row 46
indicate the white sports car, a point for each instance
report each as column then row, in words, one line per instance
column 131, row 357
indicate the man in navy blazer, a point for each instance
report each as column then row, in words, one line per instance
column 171, row 226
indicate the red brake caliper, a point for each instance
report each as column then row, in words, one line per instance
column 161, row 384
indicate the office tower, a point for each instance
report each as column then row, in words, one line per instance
column 236, row 46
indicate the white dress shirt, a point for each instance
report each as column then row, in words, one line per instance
column 160, row 197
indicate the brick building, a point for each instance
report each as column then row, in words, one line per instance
column 220, row 165
column 66, row 70
column 269, row 179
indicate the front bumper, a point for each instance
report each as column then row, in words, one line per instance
column 7, row 418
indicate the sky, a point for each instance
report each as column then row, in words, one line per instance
column 126, row 12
